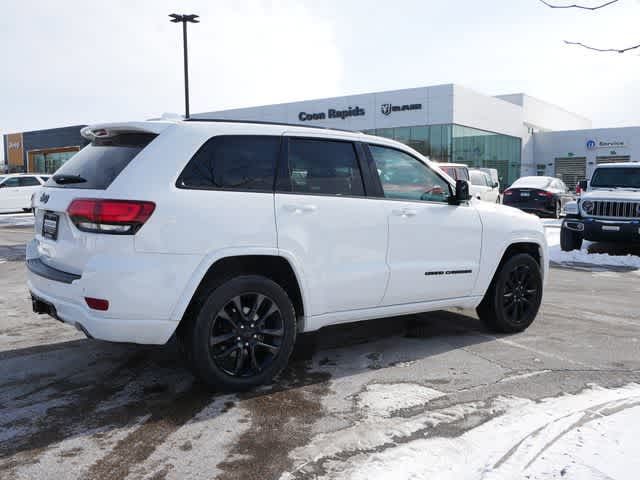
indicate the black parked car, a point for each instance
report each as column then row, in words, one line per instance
column 544, row 196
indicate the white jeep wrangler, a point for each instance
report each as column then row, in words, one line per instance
column 236, row 236
column 608, row 209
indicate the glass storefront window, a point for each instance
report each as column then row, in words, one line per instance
column 460, row 144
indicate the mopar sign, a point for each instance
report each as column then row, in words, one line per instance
column 594, row 144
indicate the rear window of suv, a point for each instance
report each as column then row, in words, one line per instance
column 97, row 165
column 233, row 162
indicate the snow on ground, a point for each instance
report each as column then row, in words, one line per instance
column 16, row 219
column 587, row 435
column 382, row 399
column 552, row 230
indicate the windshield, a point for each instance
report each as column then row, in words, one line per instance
column 625, row 177
column 532, row 182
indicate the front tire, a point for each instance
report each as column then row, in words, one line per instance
column 570, row 240
column 243, row 334
column 513, row 299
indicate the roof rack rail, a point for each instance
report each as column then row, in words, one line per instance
column 262, row 122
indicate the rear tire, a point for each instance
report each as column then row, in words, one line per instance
column 514, row 296
column 242, row 335
column 570, row 240
column 558, row 210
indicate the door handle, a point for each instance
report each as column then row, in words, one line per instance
column 305, row 208
column 404, row 212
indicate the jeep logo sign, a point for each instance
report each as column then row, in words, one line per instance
column 388, row 108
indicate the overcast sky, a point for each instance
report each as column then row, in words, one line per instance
column 71, row 62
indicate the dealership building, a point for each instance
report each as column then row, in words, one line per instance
column 41, row 151
column 517, row 134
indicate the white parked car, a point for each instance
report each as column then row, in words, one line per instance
column 608, row 209
column 483, row 187
column 236, row 236
column 16, row 190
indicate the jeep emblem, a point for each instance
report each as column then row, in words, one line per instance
column 44, row 198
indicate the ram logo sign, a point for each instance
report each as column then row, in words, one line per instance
column 388, row 108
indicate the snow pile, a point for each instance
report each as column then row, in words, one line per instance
column 588, row 435
column 382, row 399
column 556, row 254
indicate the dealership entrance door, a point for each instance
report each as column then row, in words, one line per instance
column 571, row 170
column 613, row 159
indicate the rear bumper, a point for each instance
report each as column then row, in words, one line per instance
column 595, row 230
column 532, row 207
column 142, row 290
column 45, row 293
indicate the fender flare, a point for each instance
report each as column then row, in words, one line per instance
column 212, row 257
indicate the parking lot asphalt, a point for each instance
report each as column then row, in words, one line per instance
column 353, row 395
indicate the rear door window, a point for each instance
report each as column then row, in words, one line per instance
column 11, row 182
column 233, row 162
column 28, row 182
column 97, row 165
column 324, row 167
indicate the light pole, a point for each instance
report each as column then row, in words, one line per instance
column 175, row 18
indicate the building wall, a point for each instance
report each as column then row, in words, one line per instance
column 548, row 146
column 429, row 106
column 543, row 116
column 473, row 109
column 40, row 140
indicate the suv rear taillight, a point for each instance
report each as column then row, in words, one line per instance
column 120, row 217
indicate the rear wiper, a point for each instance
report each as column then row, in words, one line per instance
column 65, row 179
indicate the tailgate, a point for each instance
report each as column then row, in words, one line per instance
column 87, row 175
column 63, row 246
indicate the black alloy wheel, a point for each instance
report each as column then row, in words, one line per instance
column 513, row 299
column 240, row 334
column 519, row 294
column 246, row 334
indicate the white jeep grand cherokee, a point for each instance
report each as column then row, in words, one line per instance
column 236, row 236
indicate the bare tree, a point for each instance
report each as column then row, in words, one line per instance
column 596, row 7
column 583, row 7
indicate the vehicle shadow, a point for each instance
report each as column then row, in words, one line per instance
column 50, row 393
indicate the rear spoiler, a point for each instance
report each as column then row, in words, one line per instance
column 104, row 130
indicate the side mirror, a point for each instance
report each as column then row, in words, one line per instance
column 462, row 192
column 583, row 184
column 496, row 184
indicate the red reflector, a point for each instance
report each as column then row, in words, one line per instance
column 97, row 303
column 89, row 214
column 545, row 194
column 507, row 192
